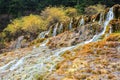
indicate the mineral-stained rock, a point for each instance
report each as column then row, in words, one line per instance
column 75, row 36
column 116, row 10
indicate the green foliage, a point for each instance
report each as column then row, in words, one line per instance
column 18, row 7
column 80, row 9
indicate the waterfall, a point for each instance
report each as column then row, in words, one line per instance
column 70, row 25
column 110, row 31
column 42, row 59
column 18, row 42
column 109, row 17
column 82, row 22
column 55, row 30
column 100, row 20
column 42, row 34
column 93, row 20
column 44, row 43
column 60, row 27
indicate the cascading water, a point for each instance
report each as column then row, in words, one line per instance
column 60, row 27
column 110, row 30
column 101, row 17
column 18, row 42
column 109, row 17
column 42, row 59
column 82, row 22
column 70, row 25
column 55, row 30
column 42, row 34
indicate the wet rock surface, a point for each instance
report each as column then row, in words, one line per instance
column 84, row 51
column 70, row 38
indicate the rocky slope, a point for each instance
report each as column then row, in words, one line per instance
column 89, row 48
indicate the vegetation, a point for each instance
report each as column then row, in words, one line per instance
column 53, row 15
column 94, row 9
column 32, row 25
column 11, row 9
column 20, row 7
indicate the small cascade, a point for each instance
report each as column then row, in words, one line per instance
column 60, row 27
column 42, row 34
column 101, row 17
column 55, row 30
column 47, row 33
column 82, row 22
column 44, row 43
column 18, row 42
column 109, row 17
column 110, row 31
column 42, row 59
column 70, row 25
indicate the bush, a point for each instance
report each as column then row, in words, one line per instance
column 80, row 8
column 53, row 15
column 29, row 26
column 94, row 9
column 33, row 23
column 30, row 23
column 14, row 26
column 71, row 12
column 2, row 41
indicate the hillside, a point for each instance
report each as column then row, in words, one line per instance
column 59, row 44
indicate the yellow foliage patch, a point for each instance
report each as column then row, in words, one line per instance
column 53, row 15
column 30, row 23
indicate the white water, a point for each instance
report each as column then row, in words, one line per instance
column 70, row 24
column 55, row 30
column 18, row 42
column 42, row 34
column 44, row 43
column 42, row 59
column 110, row 30
column 82, row 22
column 101, row 17
column 109, row 17
column 60, row 27
column 39, row 61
